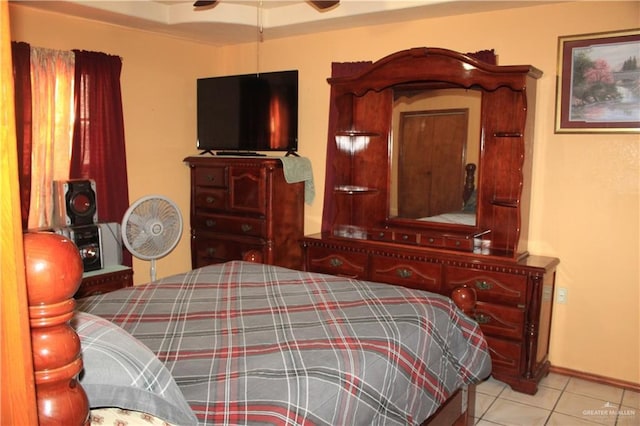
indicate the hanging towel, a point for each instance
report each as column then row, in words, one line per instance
column 298, row 169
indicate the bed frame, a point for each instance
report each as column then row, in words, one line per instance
column 50, row 258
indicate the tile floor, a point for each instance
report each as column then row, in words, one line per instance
column 560, row 401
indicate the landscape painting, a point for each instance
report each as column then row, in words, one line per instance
column 599, row 83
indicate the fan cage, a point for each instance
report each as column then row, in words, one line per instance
column 152, row 227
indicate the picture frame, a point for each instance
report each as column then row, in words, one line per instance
column 598, row 83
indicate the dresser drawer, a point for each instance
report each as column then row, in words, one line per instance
column 210, row 198
column 381, row 235
column 431, row 240
column 505, row 355
column 458, row 243
column 496, row 287
column 237, row 225
column 499, row 320
column 210, row 176
column 218, row 250
column 248, row 190
column 352, row 265
column 388, row 235
column 405, row 237
column 407, row 273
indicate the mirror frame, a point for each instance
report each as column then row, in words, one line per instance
column 364, row 104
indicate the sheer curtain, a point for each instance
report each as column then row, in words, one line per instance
column 52, row 74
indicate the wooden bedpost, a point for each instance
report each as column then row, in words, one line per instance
column 465, row 298
column 53, row 274
column 469, row 182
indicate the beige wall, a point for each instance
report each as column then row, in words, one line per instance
column 585, row 187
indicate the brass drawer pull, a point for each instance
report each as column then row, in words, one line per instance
column 482, row 319
column 403, row 273
column 210, row 199
column 210, row 223
column 246, row 227
column 405, row 237
column 335, row 262
column 483, row 285
column 210, row 178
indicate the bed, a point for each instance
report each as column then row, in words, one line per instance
column 467, row 214
column 247, row 343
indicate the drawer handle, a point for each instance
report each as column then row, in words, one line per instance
column 482, row 319
column 381, row 234
column 335, row 262
column 483, row 285
column 211, row 251
column 211, row 223
column 432, row 240
column 210, row 199
column 210, row 178
column 405, row 237
column 403, row 273
column 246, row 227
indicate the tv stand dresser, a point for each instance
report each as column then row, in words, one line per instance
column 429, row 124
column 240, row 204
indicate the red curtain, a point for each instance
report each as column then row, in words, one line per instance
column 98, row 151
column 338, row 69
column 21, row 57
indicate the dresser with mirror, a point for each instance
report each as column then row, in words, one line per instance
column 431, row 182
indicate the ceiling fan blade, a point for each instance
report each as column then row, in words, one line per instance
column 322, row 4
column 203, row 3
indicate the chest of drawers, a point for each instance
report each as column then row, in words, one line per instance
column 242, row 204
column 514, row 298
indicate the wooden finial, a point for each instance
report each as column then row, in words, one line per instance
column 53, row 274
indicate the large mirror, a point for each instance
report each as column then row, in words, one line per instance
column 435, row 155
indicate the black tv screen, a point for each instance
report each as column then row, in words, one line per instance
column 246, row 113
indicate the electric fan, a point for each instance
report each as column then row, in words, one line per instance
column 151, row 228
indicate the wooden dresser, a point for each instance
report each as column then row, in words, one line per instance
column 514, row 298
column 244, row 203
column 430, row 164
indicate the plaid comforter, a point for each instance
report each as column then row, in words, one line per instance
column 257, row 344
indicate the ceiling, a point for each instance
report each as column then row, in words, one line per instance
column 243, row 21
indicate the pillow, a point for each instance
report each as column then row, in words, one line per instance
column 120, row 371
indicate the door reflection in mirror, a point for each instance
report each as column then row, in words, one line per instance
column 436, row 136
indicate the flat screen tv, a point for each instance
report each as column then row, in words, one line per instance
column 244, row 114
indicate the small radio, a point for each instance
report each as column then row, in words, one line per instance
column 87, row 239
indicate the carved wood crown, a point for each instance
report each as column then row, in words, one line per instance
column 423, row 64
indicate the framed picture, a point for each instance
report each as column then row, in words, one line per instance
column 598, row 86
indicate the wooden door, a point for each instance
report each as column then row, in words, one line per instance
column 431, row 162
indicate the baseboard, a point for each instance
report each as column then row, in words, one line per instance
column 596, row 378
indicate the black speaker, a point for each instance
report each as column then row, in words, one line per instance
column 74, row 202
column 87, row 239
